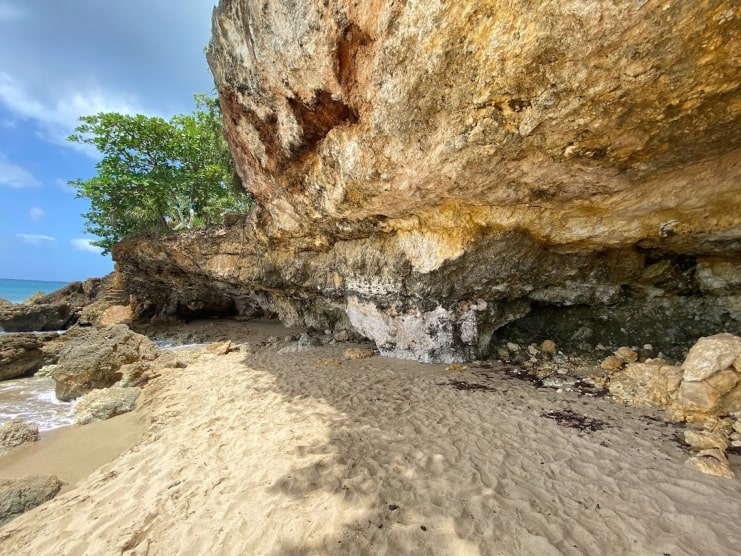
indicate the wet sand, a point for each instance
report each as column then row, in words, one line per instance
column 72, row 453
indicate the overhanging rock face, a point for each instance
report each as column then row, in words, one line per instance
column 428, row 172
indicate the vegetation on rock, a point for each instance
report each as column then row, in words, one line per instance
column 157, row 175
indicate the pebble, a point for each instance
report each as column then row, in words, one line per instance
column 612, row 363
column 548, row 346
column 456, row 367
column 627, row 354
column 359, row 353
column 342, row 336
column 511, row 346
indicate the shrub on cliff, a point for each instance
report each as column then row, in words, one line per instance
column 157, row 175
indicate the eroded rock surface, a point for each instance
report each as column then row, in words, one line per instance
column 23, row 354
column 17, row 432
column 20, row 495
column 94, row 360
column 99, row 405
column 428, row 173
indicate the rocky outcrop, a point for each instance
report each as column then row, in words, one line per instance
column 94, row 359
column 20, row 495
column 428, row 173
column 56, row 311
column 705, row 387
column 23, row 354
column 705, row 391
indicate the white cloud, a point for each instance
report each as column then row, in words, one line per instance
column 58, row 117
column 82, row 244
column 35, row 239
column 15, row 176
column 36, row 214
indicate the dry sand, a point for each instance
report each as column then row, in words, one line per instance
column 308, row 453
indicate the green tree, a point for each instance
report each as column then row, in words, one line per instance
column 157, row 175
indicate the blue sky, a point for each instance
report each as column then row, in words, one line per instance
column 63, row 59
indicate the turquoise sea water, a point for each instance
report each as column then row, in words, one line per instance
column 20, row 290
column 31, row 398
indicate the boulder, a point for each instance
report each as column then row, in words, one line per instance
column 712, row 355
column 23, row 354
column 36, row 316
column 17, row 432
column 99, row 405
column 20, row 495
column 94, row 359
column 430, row 174
column 653, row 383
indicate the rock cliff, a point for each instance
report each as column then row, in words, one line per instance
column 428, row 173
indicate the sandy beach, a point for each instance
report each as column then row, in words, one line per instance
column 311, row 453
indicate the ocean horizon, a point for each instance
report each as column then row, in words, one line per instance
column 18, row 291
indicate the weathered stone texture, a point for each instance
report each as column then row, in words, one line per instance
column 94, row 360
column 20, row 495
column 427, row 172
column 99, row 405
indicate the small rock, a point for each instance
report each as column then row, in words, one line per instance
column 512, row 347
column 359, row 353
column 20, row 495
column 503, row 353
column 45, row 371
column 221, row 348
column 648, row 347
column 628, row 355
column 548, row 346
column 712, row 462
column 16, row 432
column 737, row 427
column 307, row 341
column 100, row 405
column 705, row 440
column 342, row 336
column 612, row 363
column 456, row 367
column 331, row 362
column 558, row 382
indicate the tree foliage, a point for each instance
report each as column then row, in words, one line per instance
column 157, row 175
